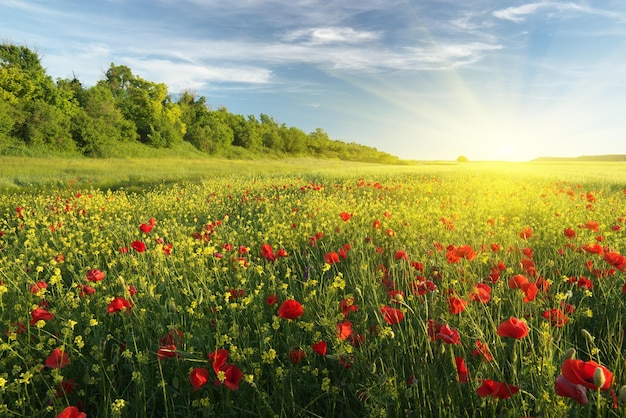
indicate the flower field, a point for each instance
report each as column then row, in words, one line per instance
column 413, row 293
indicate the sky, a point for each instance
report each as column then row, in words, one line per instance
column 419, row 79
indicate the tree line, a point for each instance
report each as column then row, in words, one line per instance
column 39, row 115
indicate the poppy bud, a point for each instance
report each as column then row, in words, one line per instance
column 598, row 377
column 570, row 354
column 587, row 336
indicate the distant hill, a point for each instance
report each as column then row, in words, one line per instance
column 603, row 158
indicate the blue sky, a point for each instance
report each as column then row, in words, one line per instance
column 420, row 79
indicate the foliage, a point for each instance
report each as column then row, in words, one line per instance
column 38, row 115
column 452, row 291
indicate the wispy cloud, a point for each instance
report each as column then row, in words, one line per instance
column 520, row 13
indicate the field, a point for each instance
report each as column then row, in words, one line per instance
column 175, row 288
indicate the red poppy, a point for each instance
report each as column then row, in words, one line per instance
column 401, row 255
column 71, row 412
column 391, row 315
column 448, row 335
column 526, row 233
column 95, row 275
column 146, row 228
column 565, row 388
column 496, row 389
column 281, row 253
column 331, row 258
column 456, row 305
column 232, row 376
column 480, row 293
column 593, row 248
column 119, row 304
column 584, row 283
column 347, row 305
column 396, row 295
column 423, row 287
column 482, row 350
column 65, row 387
column 320, row 347
column 218, row 358
column 297, row 355
column 433, row 327
column 592, row 226
column 290, row 309
column 569, row 233
column 138, row 246
column 57, row 359
column 271, row 300
column 345, row 216
column 557, row 317
column 172, row 337
column 616, row 260
column 35, row 288
column 85, row 290
column 198, row 377
column 166, row 351
column 344, row 330
column 267, row 253
column 40, row 314
column 581, row 372
column 461, row 369
column 512, row 328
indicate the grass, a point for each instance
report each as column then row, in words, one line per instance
column 386, row 262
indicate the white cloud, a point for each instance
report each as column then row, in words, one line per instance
column 330, row 35
column 519, row 13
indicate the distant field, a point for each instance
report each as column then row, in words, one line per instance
column 17, row 173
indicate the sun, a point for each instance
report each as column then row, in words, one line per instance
column 507, row 151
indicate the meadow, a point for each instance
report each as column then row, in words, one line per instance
column 176, row 288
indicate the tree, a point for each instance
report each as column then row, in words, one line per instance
column 462, row 159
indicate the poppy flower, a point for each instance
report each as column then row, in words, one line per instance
column 461, row 369
column 448, row 335
column 320, row 347
column 391, row 315
column 271, row 300
column 456, row 305
column 267, row 253
column 198, row 377
column 138, row 246
column 71, row 412
column 565, row 388
column 616, row 260
column 297, row 355
column 344, row 330
column 166, row 351
column 496, row 389
column 119, row 304
column 480, row 293
column 432, row 328
column 347, row 305
column 420, row 288
column 290, row 309
column 65, row 387
column 345, row 216
column 35, row 288
column 231, row 376
column 401, row 255
column 40, row 314
column 172, row 337
column 512, row 328
column 95, row 275
column 331, row 258
column 569, row 233
column 146, row 228
column 482, row 350
column 526, row 233
column 218, row 358
column 556, row 316
column 581, row 372
column 57, row 359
